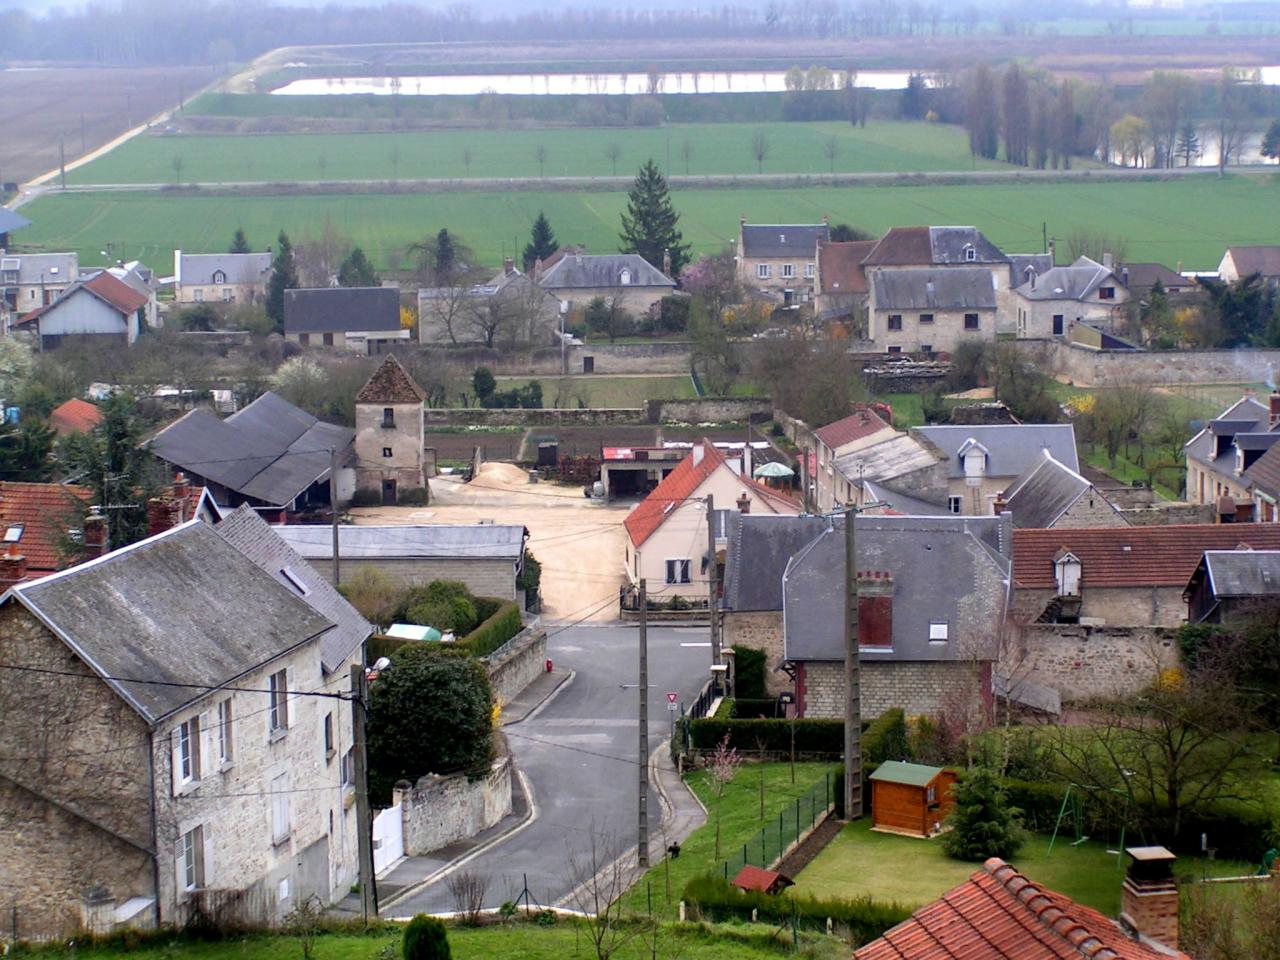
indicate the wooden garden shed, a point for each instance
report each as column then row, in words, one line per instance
column 910, row 798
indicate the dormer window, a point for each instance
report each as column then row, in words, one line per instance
column 625, row 278
column 973, row 456
column 1106, row 293
column 970, row 254
column 219, row 276
column 1066, row 573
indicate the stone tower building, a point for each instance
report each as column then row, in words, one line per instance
column 389, row 433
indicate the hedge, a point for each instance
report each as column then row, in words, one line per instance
column 753, row 709
column 496, row 630
column 823, row 737
column 717, row 899
column 886, row 738
column 748, row 670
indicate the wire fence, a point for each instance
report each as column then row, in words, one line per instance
column 777, row 836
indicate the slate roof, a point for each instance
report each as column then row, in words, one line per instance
column 840, row 267
column 760, row 546
column 998, row 914
column 391, row 383
column 1256, row 259
column 1243, row 573
column 11, row 221
column 254, row 537
column 1246, row 415
column 183, row 607
column 46, row 511
column 577, row 271
column 340, row 309
column 857, row 426
column 764, row 241
column 1041, row 263
column 1012, row 448
column 54, row 268
column 1076, row 282
column 952, row 288
column 240, row 268
column 1264, row 474
column 1161, row 556
column 881, row 462
column 901, row 504
column 952, row 569
column 1143, row 276
column 269, row 451
column 74, row 416
column 462, row 541
column 1044, row 493
column 918, row 246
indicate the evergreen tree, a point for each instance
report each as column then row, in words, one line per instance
column 982, row 823
column 284, row 276
column 25, row 451
column 1188, row 147
column 649, row 225
column 1271, row 141
column 239, row 243
column 357, row 271
column 446, row 257
column 912, row 105
column 542, row 242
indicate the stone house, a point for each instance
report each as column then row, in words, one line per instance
column 930, row 310
column 625, row 280
column 899, row 468
column 1225, row 448
column 1051, row 494
column 364, row 320
column 779, row 260
column 667, row 531
column 510, row 302
column 389, row 433
column 981, row 461
column 841, row 289
column 1049, row 304
column 1139, row 279
column 1234, row 586
column 179, row 753
column 220, row 277
column 100, row 308
column 862, row 428
column 1240, row 262
column 1263, row 478
column 1119, row 576
column 934, row 248
column 32, row 280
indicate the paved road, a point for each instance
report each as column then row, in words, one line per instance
column 577, row 755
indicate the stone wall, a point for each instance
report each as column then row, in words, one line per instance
column 1083, row 662
column 704, row 410
column 918, row 687
column 484, row 578
column 760, row 630
column 517, row 663
column 661, row 356
column 712, row 410
column 1092, row 368
column 438, row 811
column 1091, row 510
column 1175, row 513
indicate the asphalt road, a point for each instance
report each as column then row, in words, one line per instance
column 578, row 755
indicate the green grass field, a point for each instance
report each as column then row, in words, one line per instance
column 717, row 148
column 604, row 391
column 1182, row 221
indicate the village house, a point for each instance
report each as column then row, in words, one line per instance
column 779, row 260
column 1119, row 576
column 32, row 280
column 1263, row 478
column 1240, row 262
column 667, row 532
column 625, row 281
column 896, row 468
column 517, row 309
column 101, row 308
column 1048, row 304
column 1234, row 587
column 841, row 288
column 1140, row 279
column 1225, row 448
column 863, row 428
column 983, row 460
column 930, row 310
column 220, row 277
column 142, row 279
column 74, row 416
column 933, row 248
column 364, row 320
column 270, row 455
column 190, row 764
column 46, row 527
column 1051, row 494
column 389, row 433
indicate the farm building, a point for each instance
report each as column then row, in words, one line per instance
column 99, row 307
column 910, row 798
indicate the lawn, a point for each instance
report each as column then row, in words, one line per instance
column 914, row 872
column 1188, row 221
column 716, row 148
column 604, row 391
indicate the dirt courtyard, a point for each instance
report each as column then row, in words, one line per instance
column 579, row 543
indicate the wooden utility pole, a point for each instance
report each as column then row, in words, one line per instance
column 62, row 160
column 364, row 822
column 852, row 676
column 642, row 836
column 716, row 656
column 333, row 512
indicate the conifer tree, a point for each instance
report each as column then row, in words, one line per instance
column 982, row 823
column 542, row 242
column 649, row 225
column 239, row 243
column 446, row 257
column 357, row 271
column 284, row 276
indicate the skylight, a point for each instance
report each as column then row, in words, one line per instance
column 13, row 533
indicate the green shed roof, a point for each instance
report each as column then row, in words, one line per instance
column 912, row 774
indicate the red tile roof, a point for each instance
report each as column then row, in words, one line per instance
column 1132, row 556
column 74, row 416
column 901, row 245
column 46, row 511
column 681, row 484
column 116, row 292
column 862, row 423
column 765, row 881
column 998, row 914
column 840, row 266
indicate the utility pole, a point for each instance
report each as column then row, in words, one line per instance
column 642, row 837
column 852, row 676
column 1044, row 236
column 333, row 512
column 364, row 823
column 716, row 657
column 62, row 159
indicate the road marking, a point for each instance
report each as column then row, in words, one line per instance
column 704, row 643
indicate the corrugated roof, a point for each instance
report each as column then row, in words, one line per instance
column 1012, row 448
column 116, row 292
column 950, row 288
column 46, row 512
column 391, row 383
column 577, row 271
column 840, row 267
column 857, row 426
column 1162, row 556
column 773, row 240
column 340, row 309
column 1244, row 573
column 998, row 914
column 74, row 416
column 896, row 456
column 462, row 541
column 911, row 774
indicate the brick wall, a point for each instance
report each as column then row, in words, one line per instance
column 918, row 687
column 1081, row 662
column 438, row 811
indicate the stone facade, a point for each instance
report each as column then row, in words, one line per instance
column 943, row 334
column 1135, row 606
column 658, row 357
column 918, row 687
column 1083, row 662
column 389, row 450
column 759, row 630
column 1206, row 486
column 438, row 811
column 484, row 578
column 705, row 410
column 1087, row 367
column 518, row 663
column 1091, row 510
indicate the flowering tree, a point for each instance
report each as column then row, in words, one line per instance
column 722, row 765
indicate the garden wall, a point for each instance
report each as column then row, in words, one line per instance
column 660, row 356
column 517, row 663
column 1084, row 662
column 438, row 811
column 705, row 410
column 1094, row 368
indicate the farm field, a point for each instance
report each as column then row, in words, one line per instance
column 1187, row 222
column 714, row 148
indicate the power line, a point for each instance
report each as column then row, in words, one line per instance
column 208, row 688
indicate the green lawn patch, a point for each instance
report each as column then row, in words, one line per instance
column 908, row 409
column 604, row 391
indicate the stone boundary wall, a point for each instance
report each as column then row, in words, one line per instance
column 1084, row 662
column 1098, row 368
column 658, row 357
column 703, row 410
column 438, row 811
column 517, row 663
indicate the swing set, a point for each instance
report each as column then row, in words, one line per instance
column 1072, row 810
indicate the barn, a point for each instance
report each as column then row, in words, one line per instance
column 910, row 798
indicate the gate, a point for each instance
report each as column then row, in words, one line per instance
column 388, row 838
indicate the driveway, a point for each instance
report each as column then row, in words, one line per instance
column 578, row 755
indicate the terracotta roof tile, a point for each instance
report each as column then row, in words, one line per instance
column 901, row 245
column 46, row 511
column 116, row 292
column 840, row 266
column 390, row 383
column 74, row 416
column 856, row 426
column 1132, row 556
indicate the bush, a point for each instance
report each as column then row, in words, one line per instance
column 456, row 615
column 753, row 708
column 749, row 667
column 496, row 630
column 374, row 594
column 813, row 737
column 983, row 824
column 425, row 938
column 886, row 738
column 412, row 497
column 366, row 498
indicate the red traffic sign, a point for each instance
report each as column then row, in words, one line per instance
column 672, row 697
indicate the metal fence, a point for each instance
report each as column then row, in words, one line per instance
column 793, row 821
column 702, row 706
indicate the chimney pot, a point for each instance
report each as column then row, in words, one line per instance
column 1149, row 895
column 744, row 504
column 13, row 567
column 94, row 534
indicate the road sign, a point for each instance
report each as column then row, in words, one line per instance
column 672, row 697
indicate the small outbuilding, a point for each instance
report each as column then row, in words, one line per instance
column 754, row 879
column 910, row 798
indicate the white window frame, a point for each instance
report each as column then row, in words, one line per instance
column 198, row 294
column 955, row 504
column 970, row 254
column 624, row 278
column 348, row 772
column 808, row 271
column 788, row 271
column 226, row 748
column 330, row 747
column 191, row 859
column 278, row 709
column 763, row 271
column 226, row 294
column 188, row 734
column 281, row 828
column 939, row 631
column 679, row 570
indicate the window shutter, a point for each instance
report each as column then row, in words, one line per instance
column 175, row 761
column 208, row 757
column 208, row 855
column 289, row 685
column 179, row 871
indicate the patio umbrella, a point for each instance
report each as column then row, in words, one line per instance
column 773, row 470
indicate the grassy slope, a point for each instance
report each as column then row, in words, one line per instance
column 1188, row 221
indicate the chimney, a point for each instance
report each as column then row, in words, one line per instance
column 13, row 567
column 1053, row 252
column 1274, row 419
column 698, row 453
column 1000, row 505
column 508, row 266
column 666, row 261
column 826, row 219
column 744, row 503
column 1149, row 896
column 1124, row 276
column 181, row 491
column 162, row 515
column 94, row 534
column 742, row 220
column 1106, row 259
column 875, row 608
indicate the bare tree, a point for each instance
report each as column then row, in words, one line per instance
column 1222, row 926
column 830, row 147
column 177, row 168
column 468, row 891
column 722, row 766
column 1233, row 119
column 600, row 876
column 540, row 154
column 612, row 151
column 686, row 152
column 760, row 148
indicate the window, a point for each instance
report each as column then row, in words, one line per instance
column 226, row 294
column 762, row 271
column 219, row 276
column 304, row 339
column 677, row 571
column 895, row 321
column 926, row 348
column 808, row 271
column 388, row 417
column 349, row 767
column 971, row 321
column 938, row 631
column 294, row 580
column 189, row 751
column 280, row 828
column 224, row 731
column 926, row 318
column 954, row 504
column 386, row 451
column 328, row 339
column 895, row 349
column 788, row 271
column 13, row 532
column 191, row 859
column 625, row 278
column 1058, row 325
column 328, row 736
column 199, row 294
column 1106, row 293
column 970, row 254
column 278, row 712
column 931, row 794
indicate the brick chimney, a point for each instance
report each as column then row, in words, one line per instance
column 1274, row 401
column 162, row 514
column 875, row 608
column 1149, row 896
column 94, row 535
column 1000, row 505
column 744, row 503
column 13, row 567
column 181, row 491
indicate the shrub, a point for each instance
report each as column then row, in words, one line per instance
column 754, row 708
column 456, row 615
column 749, row 666
column 413, row 497
column 983, row 824
column 366, row 498
column 425, row 938
column 496, row 630
column 813, row 737
column 886, row 738
column 373, row 593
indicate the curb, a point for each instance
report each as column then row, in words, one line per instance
column 564, row 682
